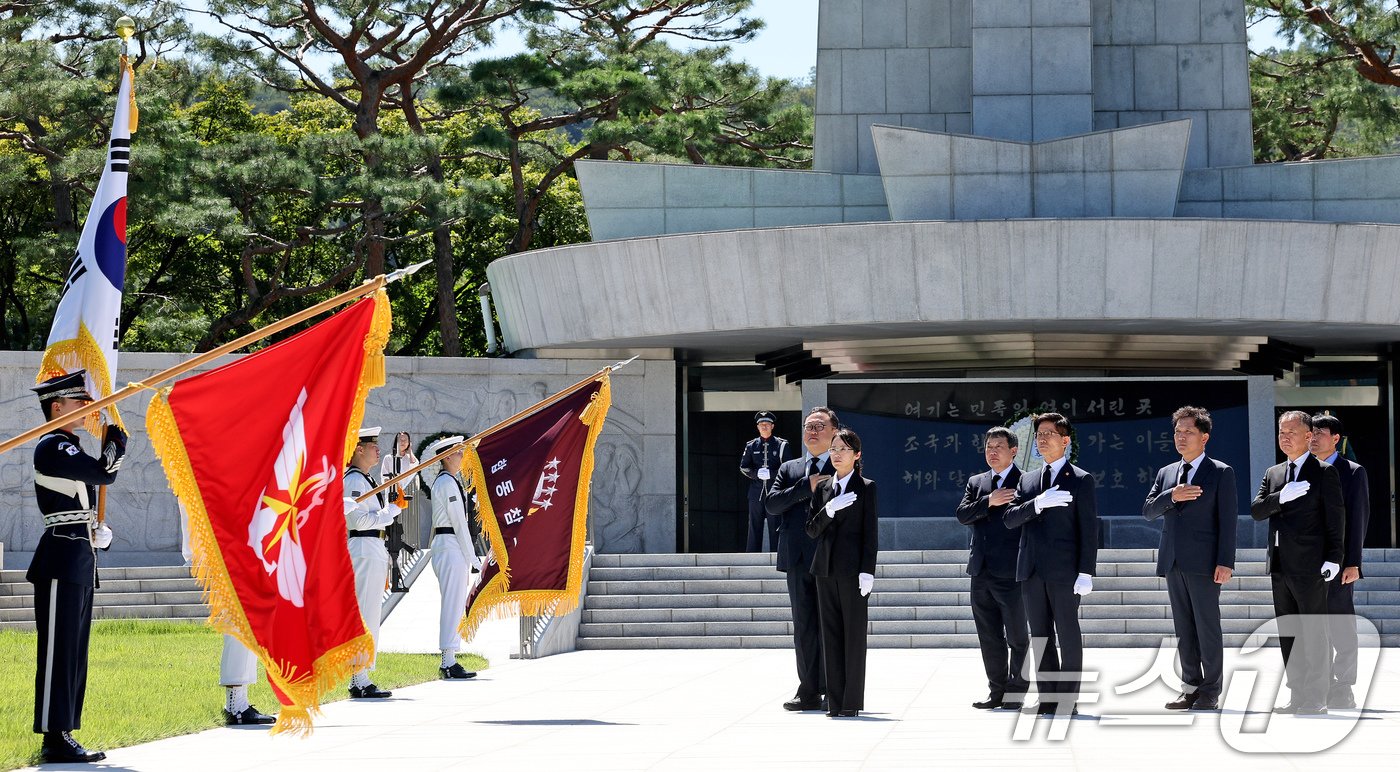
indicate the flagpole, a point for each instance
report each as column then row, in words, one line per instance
column 369, row 286
column 544, row 403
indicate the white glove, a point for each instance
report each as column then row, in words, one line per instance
column 351, row 504
column 1054, row 497
column 867, row 581
column 1083, row 585
column 764, row 473
column 102, row 537
column 1294, row 490
column 1329, row 571
column 839, row 503
column 394, row 510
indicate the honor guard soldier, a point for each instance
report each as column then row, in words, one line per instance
column 453, row 556
column 64, row 570
column 238, row 665
column 762, row 457
column 365, row 522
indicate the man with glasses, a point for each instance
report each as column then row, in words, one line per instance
column 997, row 608
column 1057, row 513
column 1356, row 492
column 787, row 502
column 1302, row 500
column 1195, row 497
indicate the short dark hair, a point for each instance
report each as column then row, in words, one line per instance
column 1061, row 423
column 852, row 441
column 1296, row 415
column 1331, row 423
column 47, row 406
column 1004, row 433
column 830, row 415
column 1199, row 415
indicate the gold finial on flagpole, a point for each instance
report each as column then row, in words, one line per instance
column 126, row 28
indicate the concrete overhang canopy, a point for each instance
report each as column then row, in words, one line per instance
column 737, row 293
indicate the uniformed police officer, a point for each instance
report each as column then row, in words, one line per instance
column 453, row 554
column 64, row 570
column 762, row 457
column 368, row 556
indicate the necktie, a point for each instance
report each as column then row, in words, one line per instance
column 812, row 466
column 1045, row 479
column 835, row 490
column 1185, row 474
column 996, row 481
column 1290, row 472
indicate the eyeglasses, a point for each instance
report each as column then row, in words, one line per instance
column 1047, row 435
column 815, row 426
column 835, row 450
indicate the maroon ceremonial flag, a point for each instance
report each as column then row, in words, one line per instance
column 531, row 477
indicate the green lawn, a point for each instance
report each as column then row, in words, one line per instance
column 148, row 680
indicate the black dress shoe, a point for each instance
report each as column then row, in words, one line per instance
column 1340, row 697
column 369, row 692
column 1011, row 705
column 1287, row 710
column 61, row 748
column 1048, row 709
column 800, row 704
column 1206, row 703
column 1184, row 701
column 848, row 713
column 455, row 673
column 1310, row 709
column 991, row 703
column 247, row 716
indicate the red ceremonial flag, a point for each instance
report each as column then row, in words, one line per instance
column 254, row 450
column 531, row 478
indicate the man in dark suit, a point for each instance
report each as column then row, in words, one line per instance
column 1356, row 492
column 997, row 608
column 787, row 502
column 1196, row 497
column 762, row 457
column 1302, row 500
column 1057, row 512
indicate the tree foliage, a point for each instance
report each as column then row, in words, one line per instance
column 1335, row 91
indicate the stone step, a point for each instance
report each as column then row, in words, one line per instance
column 29, row 624
column 887, row 557
column 167, row 584
column 128, row 611
column 957, row 584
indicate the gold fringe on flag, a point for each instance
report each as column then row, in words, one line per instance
column 134, row 116
column 496, row 599
column 81, row 353
column 372, row 373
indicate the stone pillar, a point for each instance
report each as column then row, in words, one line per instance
column 1032, row 64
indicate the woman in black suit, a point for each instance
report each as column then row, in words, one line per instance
column 843, row 519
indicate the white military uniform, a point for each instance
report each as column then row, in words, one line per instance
column 238, row 665
column 368, row 556
column 453, row 556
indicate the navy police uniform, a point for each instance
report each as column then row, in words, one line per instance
column 64, row 570
column 762, row 454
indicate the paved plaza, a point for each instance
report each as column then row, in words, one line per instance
column 719, row 710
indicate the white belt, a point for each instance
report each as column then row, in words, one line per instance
column 68, row 487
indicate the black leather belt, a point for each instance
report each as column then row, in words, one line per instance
column 444, row 532
column 371, row 534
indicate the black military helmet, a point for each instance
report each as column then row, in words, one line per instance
column 764, row 415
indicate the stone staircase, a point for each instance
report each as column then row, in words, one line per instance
column 165, row 593
column 726, row 601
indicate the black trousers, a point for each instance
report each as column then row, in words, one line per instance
column 1304, row 639
column 806, row 634
column 1341, row 627
column 1000, row 615
column 63, row 618
column 1052, row 609
column 845, row 614
column 1200, row 647
column 759, row 522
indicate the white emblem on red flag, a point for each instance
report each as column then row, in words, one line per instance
column 284, row 508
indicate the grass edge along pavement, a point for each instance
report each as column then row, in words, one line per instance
column 152, row 680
